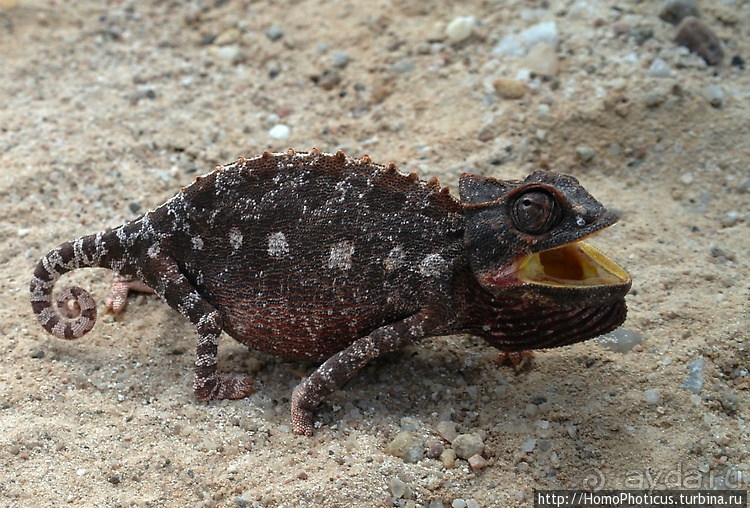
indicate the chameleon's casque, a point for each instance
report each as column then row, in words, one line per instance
column 328, row 258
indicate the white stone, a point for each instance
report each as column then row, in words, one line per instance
column 542, row 59
column 660, row 69
column 543, row 32
column 460, row 28
column 230, row 53
column 651, row 396
column 510, row 45
column 279, row 131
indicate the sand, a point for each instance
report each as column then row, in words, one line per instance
column 109, row 108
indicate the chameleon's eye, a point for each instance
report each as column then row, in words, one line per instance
column 535, row 212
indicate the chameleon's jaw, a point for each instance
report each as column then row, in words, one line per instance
column 575, row 265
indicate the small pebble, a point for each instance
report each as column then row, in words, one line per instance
column 510, row 45
column 542, row 113
column 519, row 44
column 229, row 53
column 730, row 400
column 585, row 153
column 694, row 380
column 227, row 37
column 620, row 27
column 472, row 503
column 340, row 59
column 543, row 32
column 39, row 353
column 714, row 95
column 477, row 462
column 447, row 430
column 448, row 458
column 538, row 400
column 659, row 68
column 642, row 34
column 279, row 131
column 620, row 340
column 409, row 423
column 730, row 219
column 458, row 503
column 654, row 99
column 531, row 411
column 407, row 447
column 652, row 397
column 434, row 451
column 528, row 445
column 687, row 178
column 542, row 59
column 675, row 11
column 275, row 33
column 467, row 445
column 509, row 88
column 403, row 66
column 697, row 36
column 460, row 28
column 329, row 79
column 397, row 487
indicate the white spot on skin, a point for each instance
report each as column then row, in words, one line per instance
column 341, row 256
column 580, row 221
column 153, row 251
column 277, row 245
column 433, row 265
column 235, row 238
column 396, row 257
column 197, row 242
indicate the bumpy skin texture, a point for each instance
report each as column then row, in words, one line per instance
column 328, row 258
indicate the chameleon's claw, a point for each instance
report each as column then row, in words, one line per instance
column 517, row 359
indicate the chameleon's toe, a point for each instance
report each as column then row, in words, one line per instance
column 233, row 387
column 117, row 300
column 517, row 359
column 223, row 387
column 302, row 419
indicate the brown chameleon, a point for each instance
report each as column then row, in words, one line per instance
column 328, row 258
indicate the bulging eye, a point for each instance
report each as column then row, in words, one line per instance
column 535, row 212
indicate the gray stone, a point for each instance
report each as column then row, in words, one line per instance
column 468, row 445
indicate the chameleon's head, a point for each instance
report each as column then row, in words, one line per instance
column 524, row 239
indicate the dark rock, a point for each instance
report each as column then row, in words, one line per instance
column 698, row 37
column 675, row 11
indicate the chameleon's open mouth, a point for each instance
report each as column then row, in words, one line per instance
column 573, row 265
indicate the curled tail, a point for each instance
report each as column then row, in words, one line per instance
column 74, row 304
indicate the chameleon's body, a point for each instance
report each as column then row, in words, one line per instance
column 327, row 258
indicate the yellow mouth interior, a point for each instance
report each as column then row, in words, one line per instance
column 573, row 265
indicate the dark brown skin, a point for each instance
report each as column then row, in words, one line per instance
column 327, row 258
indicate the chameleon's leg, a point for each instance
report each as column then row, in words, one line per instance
column 171, row 285
column 342, row 366
column 118, row 293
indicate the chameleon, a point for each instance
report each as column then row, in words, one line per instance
column 333, row 259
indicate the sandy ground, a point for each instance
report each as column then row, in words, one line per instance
column 110, row 107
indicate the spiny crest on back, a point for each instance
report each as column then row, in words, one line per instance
column 270, row 165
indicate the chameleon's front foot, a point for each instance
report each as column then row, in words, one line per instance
column 302, row 416
column 118, row 293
